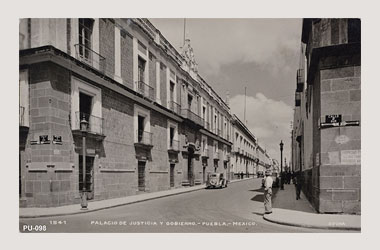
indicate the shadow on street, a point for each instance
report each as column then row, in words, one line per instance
column 259, row 198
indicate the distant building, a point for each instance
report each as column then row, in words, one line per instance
column 326, row 136
column 244, row 155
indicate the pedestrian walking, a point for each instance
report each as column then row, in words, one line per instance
column 268, row 192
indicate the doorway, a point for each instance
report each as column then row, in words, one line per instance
column 89, row 176
column 172, row 166
column 204, row 174
column 141, row 176
column 190, row 175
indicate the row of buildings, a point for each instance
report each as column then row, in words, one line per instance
column 153, row 122
column 326, row 136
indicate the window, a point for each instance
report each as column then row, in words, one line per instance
column 189, row 101
column 354, row 30
column 172, row 91
column 86, row 102
column 141, row 122
column 141, row 70
column 140, row 128
column 85, row 34
column 171, row 136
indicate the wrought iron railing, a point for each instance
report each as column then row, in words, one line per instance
column 90, row 57
column 187, row 113
column 144, row 137
column 22, row 116
column 95, row 124
column 145, row 90
column 174, row 145
column 175, row 107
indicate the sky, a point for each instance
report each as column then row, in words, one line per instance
column 261, row 55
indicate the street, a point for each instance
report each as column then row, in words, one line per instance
column 237, row 208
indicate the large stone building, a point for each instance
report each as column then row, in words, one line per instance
column 326, row 141
column 153, row 122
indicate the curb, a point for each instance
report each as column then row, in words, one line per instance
column 312, row 226
column 118, row 205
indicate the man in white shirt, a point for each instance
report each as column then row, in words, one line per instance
column 268, row 192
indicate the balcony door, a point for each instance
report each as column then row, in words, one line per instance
column 141, row 70
column 85, row 108
column 85, row 37
column 140, row 128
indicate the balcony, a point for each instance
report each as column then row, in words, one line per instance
column 94, row 128
column 300, row 80
column 90, row 57
column 145, row 90
column 144, row 139
column 173, row 146
column 175, row 107
column 205, row 153
column 298, row 99
column 188, row 114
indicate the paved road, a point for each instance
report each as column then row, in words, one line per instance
column 237, row 208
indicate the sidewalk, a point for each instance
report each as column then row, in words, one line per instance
column 289, row 211
column 35, row 212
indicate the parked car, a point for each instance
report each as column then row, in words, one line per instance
column 216, row 180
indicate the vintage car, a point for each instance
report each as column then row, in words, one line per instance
column 216, row 180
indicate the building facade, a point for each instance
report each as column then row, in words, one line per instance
column 244, row 157
column 152, row 122
column 326, row 141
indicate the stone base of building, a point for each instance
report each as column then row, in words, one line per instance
column 333, row 188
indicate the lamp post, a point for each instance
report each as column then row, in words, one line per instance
column 83, row 128
column 281, row 174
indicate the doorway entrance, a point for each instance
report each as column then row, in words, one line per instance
column 172, row 166
column 190, row 175
column 141, row 176
column 89, row 176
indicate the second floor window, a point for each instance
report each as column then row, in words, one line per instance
column 172, row 91
column 85, row 35
column 171, row 136
column 141, row 127
column 189, row 101
column 141, row 70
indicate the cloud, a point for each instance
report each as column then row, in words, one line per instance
column 268, row 119
column 218, row 42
